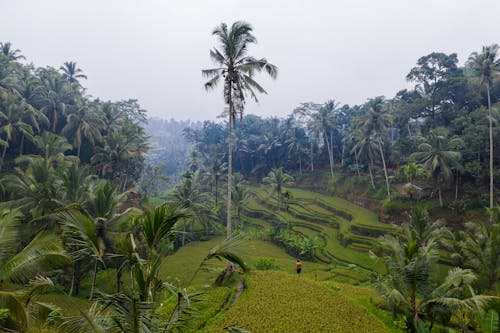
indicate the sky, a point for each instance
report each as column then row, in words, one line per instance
column 154, row 50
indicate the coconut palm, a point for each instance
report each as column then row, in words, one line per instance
column 71, row 73
column 84, row 122
column 411, row 257
column 14, row 126
column 42, row 254
column 11, row 53
column 189, row 196
column 374, row 125
column 278, row 179
column 486, row 65
column 215, row 170
column 236, row 69
column 437, row 158
column 481, row 247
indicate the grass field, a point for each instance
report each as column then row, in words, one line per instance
column 280, row 302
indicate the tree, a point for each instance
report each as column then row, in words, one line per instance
column 71, row 73
column 437, row 158
column 374, row 125
column 84, row 122
column 43, row 253
column 237, row 71
column 278, row 179
column 481, row 247
column 188, row 196
column 486, row 65
column 215, row 170
column 11, row 53
column 411, row 257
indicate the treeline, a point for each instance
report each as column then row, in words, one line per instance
column 46, row 111
column 436, row 134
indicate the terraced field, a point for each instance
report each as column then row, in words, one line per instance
column 278, row 302
column 345, row 231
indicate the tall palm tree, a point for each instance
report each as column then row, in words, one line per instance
column 188, row 195
column 84, row 122
column 14, row 125
column 486, row 65
column 11, row 53
column 437, row 158
column 278, row 179
column 375, row 125
column 236, row 69
column 71, row 73
column 215, row 170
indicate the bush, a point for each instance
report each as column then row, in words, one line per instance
column 265, row 264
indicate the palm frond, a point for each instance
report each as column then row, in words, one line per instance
column 43, row 253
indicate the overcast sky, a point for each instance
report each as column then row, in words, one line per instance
column 325, row 49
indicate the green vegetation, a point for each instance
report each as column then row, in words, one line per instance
column 83, row 217
column 277, row 302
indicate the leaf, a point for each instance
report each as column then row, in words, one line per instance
column 490, row 322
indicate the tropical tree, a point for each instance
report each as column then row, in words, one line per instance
column 215, row 170
column 13, row 125
column 188, row 195
column 84, row 122
column 375, row 125
column 43, row 253
column 437, row 158
column 486, row 65
column 411, row 257
column 11, row 53
column 236, row 69
column 481, row 247
column 71, row 73
column 278, row 179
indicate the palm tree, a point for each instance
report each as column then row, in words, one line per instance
column 71, row 73
column 411, row 257
column 486, row 65
column 12, row 54
column 42, row 253
column 188, row 195
column 84, row 122
column 14, row 125
column 437, row 159
column 481, row 247
column 278, row 179
column 215, row 170
column 374, row 126
column 237, row 70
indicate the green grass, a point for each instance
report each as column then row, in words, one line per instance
column 279, row 302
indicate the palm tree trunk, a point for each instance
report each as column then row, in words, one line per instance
column 300, row 164
column 312, row 158
column 329, row 146
column 385, row 170
column 440, row 197
column 216, row 190
column 370, row 170
column 229, row 168
column 357, row 163
column 22, row 145
column 94, row 275
column 490, row 121
column 78, row 150
column 3, row 155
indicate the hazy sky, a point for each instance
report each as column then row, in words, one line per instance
column 154, row 50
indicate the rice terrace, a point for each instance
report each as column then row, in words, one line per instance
column 249, row 167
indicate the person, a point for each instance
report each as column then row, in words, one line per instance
column 298, row 266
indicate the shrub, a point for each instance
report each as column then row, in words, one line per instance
column 265, row 264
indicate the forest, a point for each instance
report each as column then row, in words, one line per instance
column 113, row 222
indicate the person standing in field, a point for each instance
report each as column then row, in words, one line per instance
column 298, row 266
